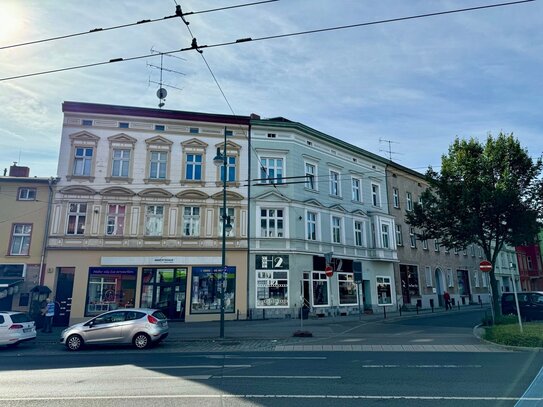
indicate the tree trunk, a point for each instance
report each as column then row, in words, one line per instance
column 495, row 294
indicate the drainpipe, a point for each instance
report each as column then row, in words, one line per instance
column 249, row 223
column 46, row 232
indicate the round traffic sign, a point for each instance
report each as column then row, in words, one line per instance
column 329, row 271
column 485, row 266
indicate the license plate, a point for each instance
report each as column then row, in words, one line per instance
column 27, row 330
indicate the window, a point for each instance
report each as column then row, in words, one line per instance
column 271, row 170
column 271, row 223
column 83, row 161
column 472, row 250
column 206, row 291
column 412, row 237
column 450, row 278
column 484, row 277
column 191, row 221
column 375, row 195
column 529, row 260
column 159, row 162
column 271, row 288
column 86, row 122
column 396, row 197
column 384, row 291
column 425, row 244
column 320, row 288
column 358, row 233
column 110, row 288
column 77, row 213
column 476, row 278
column 194, row 130
column 154, row 220
column 194, row 167
column 334, row 183
column 336, row 229
column 159, row 127
column 428, row 276
column 231, row 169
column 409, row 201
column 26, row 194
column 230, row 214
column 347, row 289
column 311, row 222
column 115, row 220
column 356, row 194
column 20, row 239
column 121, row 163
column 399, row 235
column 436, row 245
column 272, row 135
column 310, row 173
column 229, row 132
column 385, row 236
column 124, row 125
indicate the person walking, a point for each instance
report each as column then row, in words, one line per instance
column 447, row 299
column 49, row 313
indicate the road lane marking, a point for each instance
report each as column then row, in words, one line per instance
column 534, row 388
column 424, row 366
column 266, row 357
column 191, row 377
column 197, row 367
column 277, row 396
column 274, row 377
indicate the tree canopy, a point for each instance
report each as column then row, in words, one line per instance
column 488, row 194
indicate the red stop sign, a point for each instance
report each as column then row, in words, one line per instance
column 329, row 271
column 485, row 266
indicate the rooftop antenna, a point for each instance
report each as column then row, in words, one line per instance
column 389, row 151
column 161, row 93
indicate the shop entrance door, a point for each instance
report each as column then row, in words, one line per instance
column 63, row 298
column 165, row 289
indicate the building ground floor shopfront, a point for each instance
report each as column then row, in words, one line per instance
column 184, row 286
column 17, row 284
column 283, row 285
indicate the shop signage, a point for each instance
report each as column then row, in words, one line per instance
column 131, row 271
column 159, row 260
column 271, row 261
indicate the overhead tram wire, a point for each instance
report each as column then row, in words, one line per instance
column 248, row 39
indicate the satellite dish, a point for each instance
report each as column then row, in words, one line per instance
column 161, row 93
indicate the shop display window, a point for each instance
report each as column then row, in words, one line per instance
column 320, row 289
column 271, row 288
column 384, row 291
column 347, row 289
column 205, row 293
column 110, row 288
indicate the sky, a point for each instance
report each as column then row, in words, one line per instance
column 402, row 90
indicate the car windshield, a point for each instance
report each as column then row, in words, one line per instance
column 18, row 318
column 159, row 315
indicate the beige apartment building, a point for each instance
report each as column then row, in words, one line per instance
column 137, row 213
column 24, row 203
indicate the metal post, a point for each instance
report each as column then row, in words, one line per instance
column 516, row 302
column 359, row 288
column 224, row 217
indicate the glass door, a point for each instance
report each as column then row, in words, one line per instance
column 165, row 289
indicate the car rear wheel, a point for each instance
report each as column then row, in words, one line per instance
column 141, row 340
column 74, row 342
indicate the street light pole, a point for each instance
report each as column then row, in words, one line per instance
column 222, row 159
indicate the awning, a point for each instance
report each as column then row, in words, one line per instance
column 9, row 282
column 41, row 289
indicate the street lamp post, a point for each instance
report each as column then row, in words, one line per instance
column 222, row 159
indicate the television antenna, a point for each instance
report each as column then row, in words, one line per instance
column 389, row 150
column 161, row 93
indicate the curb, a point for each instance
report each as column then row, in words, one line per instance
column 478, row 328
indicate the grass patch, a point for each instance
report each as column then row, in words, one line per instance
column 501, row 320
column 510, row 335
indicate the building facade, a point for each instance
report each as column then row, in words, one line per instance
column 426, row 269
column 137, row 214
column 529, row 267
column 317, row 203
column 24, row 212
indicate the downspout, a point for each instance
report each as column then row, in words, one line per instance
column 248, row 222
column 46, row 232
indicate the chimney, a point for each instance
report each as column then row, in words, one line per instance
column 255, row 116
column 15, row 171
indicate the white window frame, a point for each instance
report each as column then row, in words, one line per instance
column 311, row 176
column 194, row 164
column 115, row 220
column 425, row 244
column 82, row 162
column 123, row 157
column 335, row 184
column 311, row 222
column 158, row 163
column 268, row 278
column 77, row 214
column 385, row 236
column 409, row 201
column 320, row 277
column 428, row 276
column 349, row 279
column 412, row 238
column 399, row 235
column 376, row 194
column 476, row 278
column 359, row 233
column 270, row 164
column 436, row 245
column 232, row 213
column 191, row 221
column 396, row 198
column 450, row 278
column 268, row 231
column 336, row 229
column 356, row 189
column 21, row 237
column 231, row 170
column 154, row 214
column 26, row 194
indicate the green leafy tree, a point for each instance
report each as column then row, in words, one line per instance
column 485, row 194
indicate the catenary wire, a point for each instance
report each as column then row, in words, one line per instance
column 248, row 39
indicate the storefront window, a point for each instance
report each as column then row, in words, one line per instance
column 384, row 293
column 205, row 295
column 347, row 289
column 271, row 288
column 110, row 288
column 320, row 288
column 165, row 289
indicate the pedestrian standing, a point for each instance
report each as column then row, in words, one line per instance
column 447, row 299
column 49, row 313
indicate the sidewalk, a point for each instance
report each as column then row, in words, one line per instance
column 271, row 330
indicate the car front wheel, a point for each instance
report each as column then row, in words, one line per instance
column 74, row 342
column 142, row 341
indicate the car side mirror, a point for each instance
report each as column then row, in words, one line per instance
column 90, row 324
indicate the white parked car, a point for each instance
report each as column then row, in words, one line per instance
column 16, row 327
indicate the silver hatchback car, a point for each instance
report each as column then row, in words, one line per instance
column 138, row 326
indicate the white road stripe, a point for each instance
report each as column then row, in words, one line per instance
column 275, row 377
column 423, row 366
column 266, row 357
column 278, row 396
column 196, row 367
